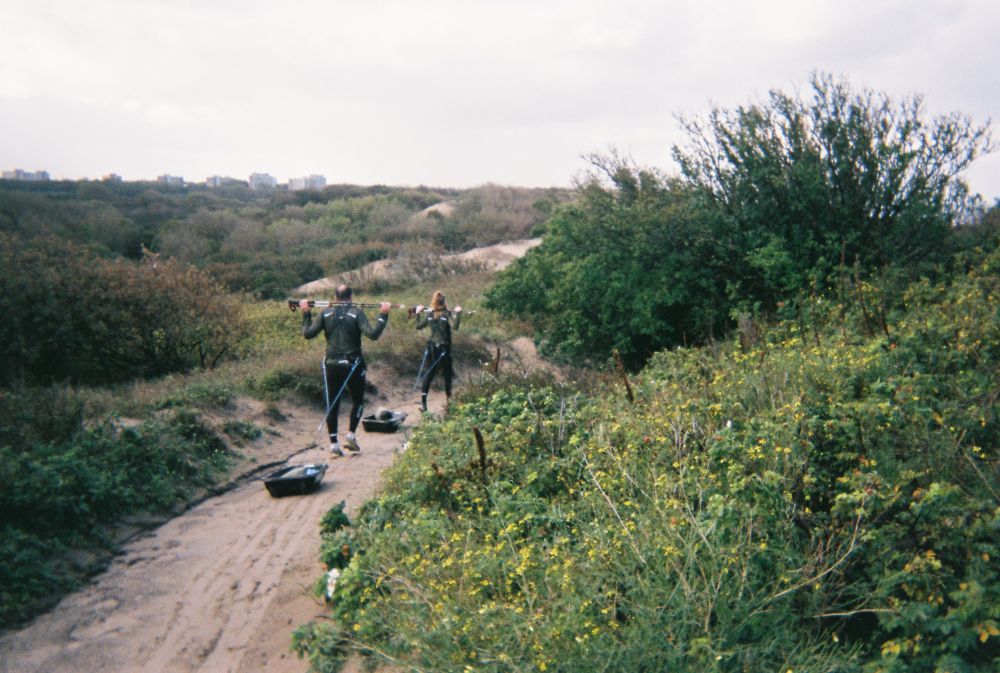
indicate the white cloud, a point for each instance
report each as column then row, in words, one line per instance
column 445, row 92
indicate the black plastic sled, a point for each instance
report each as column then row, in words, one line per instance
column 384, row 421
column 294, row 480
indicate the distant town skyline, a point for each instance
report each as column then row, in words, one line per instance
column 448, row 93
column 254, row 181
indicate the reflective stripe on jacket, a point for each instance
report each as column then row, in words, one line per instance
column 343, row 325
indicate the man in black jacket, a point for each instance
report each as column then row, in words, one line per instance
column 344, row 366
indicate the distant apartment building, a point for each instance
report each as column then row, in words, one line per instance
column 262, row 181
column 112, row 177
column 28, row 176
column 219, row 181
column 309, row 182
column 172, row 180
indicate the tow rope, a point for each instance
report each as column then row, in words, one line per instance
column 326, row 391
column 423, row 374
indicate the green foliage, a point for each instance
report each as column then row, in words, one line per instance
column 38, row 415
column 822, row 496
column 273, row 331
column 334, row 519
column 88, row 217
column 266, row 243
column 74, row 316
column 72, row 465
column 202, row 395
column 493, row 213
column 242, row 431
column 336, row 549
column 30, row 574
column 847, row 175
column 354, row 256
column 320, row 643
column 59, row 494
column 778, row 200
column 298, row 375
column 624, row 268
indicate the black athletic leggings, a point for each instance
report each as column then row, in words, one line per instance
column 337, row 372
column 439, row 359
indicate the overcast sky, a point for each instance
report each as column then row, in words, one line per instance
column 447, row 93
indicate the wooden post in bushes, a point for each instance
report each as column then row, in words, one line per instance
column 496, row 363
column 621, row 371
column 481, row 446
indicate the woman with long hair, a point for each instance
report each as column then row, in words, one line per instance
column 438, row 353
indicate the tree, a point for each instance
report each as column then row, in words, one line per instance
column 775, row 200
column 807, row 184
column 625, row 267
column 73, row 316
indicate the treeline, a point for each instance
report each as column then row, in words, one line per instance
column 265, row 243
column 777, row 202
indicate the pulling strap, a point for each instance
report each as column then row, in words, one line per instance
column 326, row 391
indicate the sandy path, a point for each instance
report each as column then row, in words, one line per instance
column 217, row 589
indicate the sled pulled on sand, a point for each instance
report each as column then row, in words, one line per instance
column 294, row 480
column 384, row 421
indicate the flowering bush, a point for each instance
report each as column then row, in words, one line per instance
column 823, row 499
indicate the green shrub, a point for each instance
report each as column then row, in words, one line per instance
column 242, row 430
column 31, row 576
column 336, row 549
column 320, row 643
column 62, row 494
column 776, row 201
column 123, row 320
column 201, row 395
column 299, row 374
column 334, row 519
column 38, row 415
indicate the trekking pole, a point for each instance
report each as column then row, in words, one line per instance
column 326, row 385
column 420, row 371
column 431, row 368
column 293, row 304
column 413, row 311
column 326, row 393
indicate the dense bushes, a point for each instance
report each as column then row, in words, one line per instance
column 777, row 201
column 817, row 496
column 627, row 268
column 845, row 175
column 71, row 315
column 64, row 484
